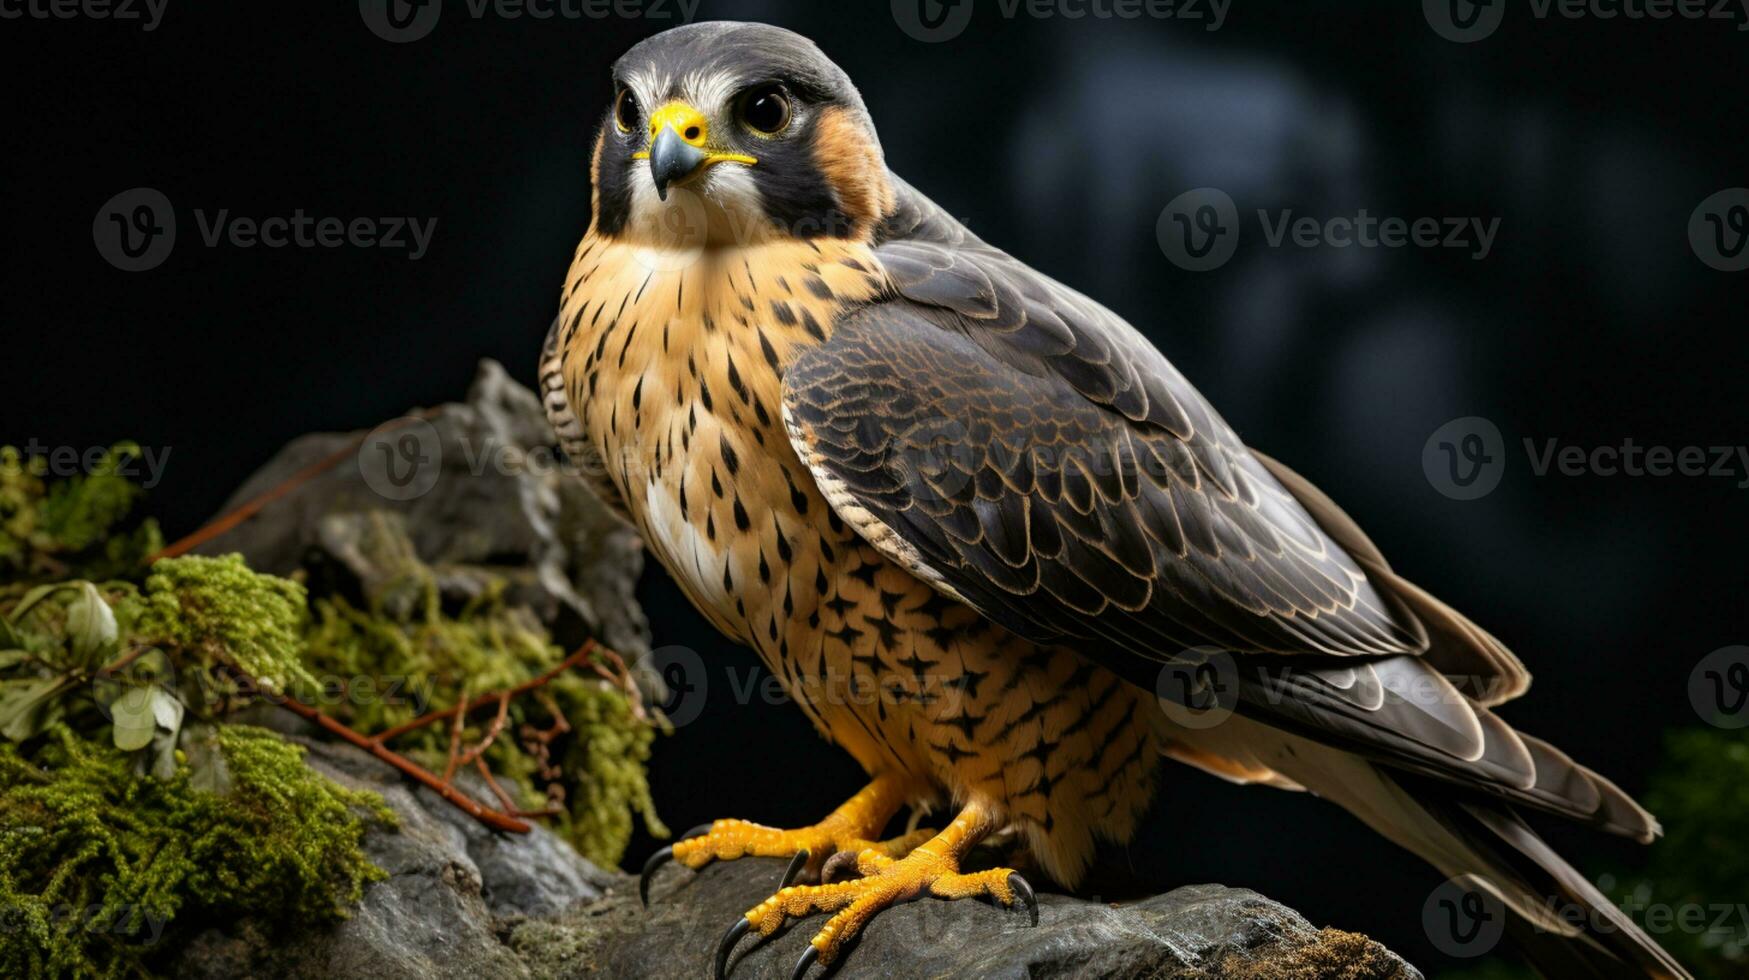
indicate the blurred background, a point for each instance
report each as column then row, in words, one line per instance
column 1591, row 319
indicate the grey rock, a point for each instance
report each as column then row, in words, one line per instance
column 463, row 901
column 1194, row 931
column 482, row 493
column 450, row 884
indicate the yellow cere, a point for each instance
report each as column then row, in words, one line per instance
column 690, row 125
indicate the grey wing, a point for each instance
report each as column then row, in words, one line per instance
column 1027, row 452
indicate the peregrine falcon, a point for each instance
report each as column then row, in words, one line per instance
column 990, row 541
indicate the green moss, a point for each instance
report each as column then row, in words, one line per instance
column 217, row 606
column 377, row 671
column 74, row 528
column 102, row 870
column 133, row 813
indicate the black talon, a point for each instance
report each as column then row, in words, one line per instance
column 662, row 857
column 796, row 864
column 656, row 860
column 806, row 961
column 726, row 945
column 1024, row 895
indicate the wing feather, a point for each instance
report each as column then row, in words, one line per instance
column 1034, row 457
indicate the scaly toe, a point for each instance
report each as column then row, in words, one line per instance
column 884, row 882
column 838, row 867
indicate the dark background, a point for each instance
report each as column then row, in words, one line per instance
column 1060, row 140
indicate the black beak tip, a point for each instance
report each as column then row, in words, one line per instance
column 672, row 159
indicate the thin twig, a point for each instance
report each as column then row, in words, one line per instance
column 621, row 677
column 418, row 773
column 226, row 522
column 504, row 799
column 455, row 742
column 491, row 732
column 121, row 662
column 589, row 646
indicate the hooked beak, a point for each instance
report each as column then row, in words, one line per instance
column 673, row 159
column 680, row 147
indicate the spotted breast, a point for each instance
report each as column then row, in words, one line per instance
column 673, row 361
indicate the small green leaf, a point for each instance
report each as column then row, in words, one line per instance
column 206, row 762
column 12, row 658
column 33, row 597
column 9, row 637
column 164, row 755
column 134, row 717
column 91, row 626
column 22, row 703
column 167, row 712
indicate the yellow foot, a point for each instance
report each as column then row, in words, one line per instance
column 932, row 868
column 849, row 829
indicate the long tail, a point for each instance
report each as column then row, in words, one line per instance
column 1514, row 881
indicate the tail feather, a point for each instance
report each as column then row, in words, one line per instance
column 1560, row 921
column 1605, row 943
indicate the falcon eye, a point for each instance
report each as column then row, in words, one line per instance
column 625, row 111
column 765, row 109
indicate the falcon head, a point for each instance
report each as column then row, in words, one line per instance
column 729, row 133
